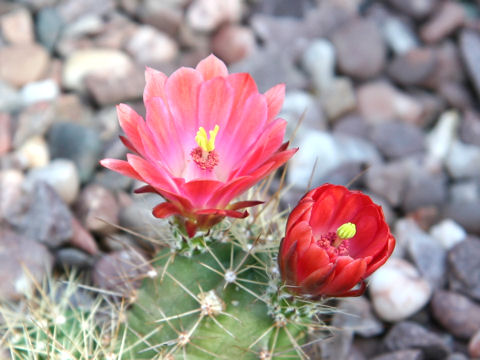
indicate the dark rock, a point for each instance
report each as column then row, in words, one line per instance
column 48, row 26
column 360, row 49
column 447, row 19
column 474, row 345
column 457, row 356
column 467, row 214
column 415, row 8
column 425, row 187
column 464, row 263
column 397, row 139
column 45, row 218
column 78, row 143
column 353, row 125
column 409, row 335
column 470, row 50
column 121, row 271
column 449, row 67
column 401, row 355
column 97, row 209
column 413, row 67
column 283, row 7
column 112, row 180
column 70, row 257
column 456, row 313
column 470, row 128
column 388, row 180
column 22, row 263
column 456, row 95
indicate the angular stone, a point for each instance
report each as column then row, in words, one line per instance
column 45, row 90
column 413, row 67
column 360, row 49
column 339, row 98
column 21, row 64
column 22, row 263
column 82, row 239
column 233, row 43
column 448, row 233
column 397, row 139
column 17, row 27
column 456, row 313
column 45, row 218
column 48, row 27
column 388, row 180
column 10, row 100
column 474, row 345
column 460, row 159
column 399, row 35
column 446, row 20
column 410, row 335
column 470, row 128
column 440, row 139
column 463, row 262
column 470, row 50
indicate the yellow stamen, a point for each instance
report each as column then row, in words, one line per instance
column 346, row 231
column 207, row 144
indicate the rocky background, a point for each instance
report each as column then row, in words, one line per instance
column 390, row 87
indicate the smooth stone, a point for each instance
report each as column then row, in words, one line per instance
column 449, row 17
column 70, row 257
column 389, row 180
column 415, row 8
column 165, row 16
column 339, row 98
column 45, row 218
column 5, row 133
column 410, row 335
column 207, row 15
column 463, row 262
column 399, row 36
column 474, row 345
column 397, row 139
column 61, row 175
column 360, row 48
column 460, row 159
column 78, row 143
column 464, row 191
column 45, row 90
column 73, row 9
column 469, row 131
column 448, row 233
column 449, row 66
column 440, row 139
column 23, row 264
column 33, row 121
column 21, row 64
column 34, row 152
column 82, row 239
column 456, row 313
column 338, row 345
column 233, row 43
column 412, row 67
column 11, row 184
column 17, row 27
column 318, row 60
column 112, row 180
column 398, row 291
column 90, row 61
column 97, row 209
column 48, row 26
column 465, row 213
column 11, row 99
column 401, row 355
column 470, row 50
column 121, row 272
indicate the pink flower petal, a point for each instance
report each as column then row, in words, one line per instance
column 129, row 121
column 275, row 97
column 121, row 167
column 200, row 191
column 154, row 175
column 155, row 83
column 215, row 104
column 211, row 67
column 164, row 210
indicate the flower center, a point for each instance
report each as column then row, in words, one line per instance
column 205, row 155
column 336, row 243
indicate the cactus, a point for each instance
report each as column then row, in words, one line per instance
column 218, row 296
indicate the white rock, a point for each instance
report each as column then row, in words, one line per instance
column 339, row 98
column 397, row 290
column 148, row 45
column 45, row 90
column 91, row 61
column 86, row 25
column 34, row 152
column 319, row 62
column 398, row 36
column 61, row 174
column 440, row 138
column 448, row 233
column 463, row 160
column 207, row 15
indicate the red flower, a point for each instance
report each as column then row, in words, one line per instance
column 335, row 238
column 208, row 137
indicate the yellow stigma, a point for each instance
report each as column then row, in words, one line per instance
column 207, row 144
column 347, row 231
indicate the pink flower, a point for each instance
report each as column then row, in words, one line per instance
column 207, row 138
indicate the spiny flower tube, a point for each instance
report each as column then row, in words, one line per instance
column 335, row 238
column 208, row 136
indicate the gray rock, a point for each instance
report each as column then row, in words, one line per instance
column 440, row 139
column 401, row 355
column 10, row 99
column 448, row 233
column 389, row 180
column 415, row 8
column 46, row 218
column 397, row 139
column 70, row 257
column 463, row 160
column 464, row 191
column 78, row 143
column 112, row 180
column 48, row 26
column 463, row 262
column 339, row 98
column 410, row 335
column 412, row 67
column 82, row 239
column 360, row 49
column 470, row 128
column 470, row 50
column 456, row 313
column 338, row 346
column 319, row 62
column 449, row 17
column 22, row 263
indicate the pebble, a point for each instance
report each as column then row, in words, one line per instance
column 360, row 49
column 78, row 143
column 397, row 139
column 469, row 131
column 70, row 257
column 465, row 213
column 329, row 151
column 120, row 271
column 439, row 140
column 389, row 180
column 10, row 99
column 233, row 43
column 379, row 101
column 33, row 121
column 399, row 36
column 45, row 90
column 48, row 27
column 356, row 314
column 61, row 175
column 148, row 46
column 21, row 64
column 413, row 67
column 91, row 61
column 446, row 20
column 165, row 16
column 456, row 313
column 73, row 9
column 318, row 60
column 448, row 233
column 338, row 345
column 398, row 291
column 410, row 335
column 46, row 218
column 463, row 262
column 23, row 265
column 207, row 15
column 474, row 345
column 5, row 133
column 339, row 98
column 97, row 209
column 414, row 8
column 470, row 50
column 464, row 191
column 401, row 355
column 456, row 95
column 460, row 159
column 34, row 152
column 11, row 182
column 17, row 27
column 449, row 66
column 82, row 239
